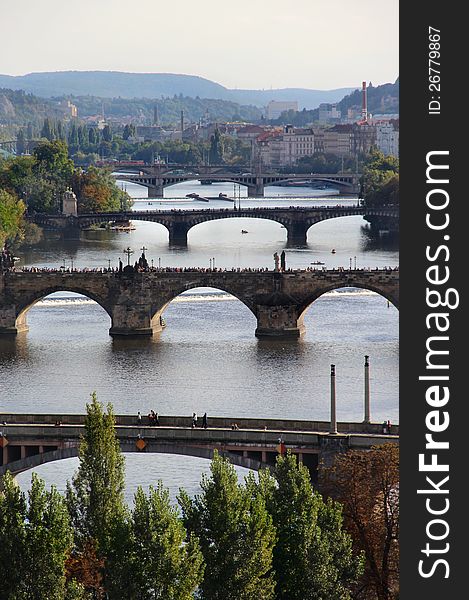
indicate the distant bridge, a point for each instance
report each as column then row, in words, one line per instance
column 157, row 177
column 27, row 441
column 296, row 220
column 135, row 301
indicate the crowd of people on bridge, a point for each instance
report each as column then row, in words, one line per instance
column 138, row 268
column 247, row 209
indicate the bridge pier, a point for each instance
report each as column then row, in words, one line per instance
column 130, row 320
column 257, row 191
column 279, row 322
column 156, row 191
column 10, row 323
column 178, row 234
column 297, row 234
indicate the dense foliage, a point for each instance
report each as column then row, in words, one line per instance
column 269, row 538
column 41, row 179
column 236, row 535
column 20, row 109
column 367, row 485
column 11, row 217
column 380, row 181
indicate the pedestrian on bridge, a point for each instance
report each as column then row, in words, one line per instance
column 194, row 420
column 205, row 421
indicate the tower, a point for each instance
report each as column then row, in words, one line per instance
column 69, row 203
column 364, row 102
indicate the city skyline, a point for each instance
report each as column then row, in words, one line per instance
column 254, row 45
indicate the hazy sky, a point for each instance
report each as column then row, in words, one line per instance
column 319, row 44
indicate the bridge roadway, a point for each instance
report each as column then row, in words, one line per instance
column 27, row 441
column 296, row 220
column 157, row 177
column 135, row 301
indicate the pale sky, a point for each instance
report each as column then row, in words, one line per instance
column 321, row 44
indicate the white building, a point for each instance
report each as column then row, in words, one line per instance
column 328, row 113
column 285, row 148
column 387, row 137
column 275, row 109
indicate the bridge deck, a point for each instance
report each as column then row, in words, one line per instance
column 31, row 440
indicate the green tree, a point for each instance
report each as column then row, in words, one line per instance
column 73, row 136
column 11, row 217
column 92, row 136
column 313, row 557
column 107, row 134
column 35, row 538
column 95, row 497
column 380, row 180
column 47, row 543
column 12, row 537
column 52, row 161
column 236, row 536
column 20, row 142
column 46, row 131
column 156, row 560
column 216, row 148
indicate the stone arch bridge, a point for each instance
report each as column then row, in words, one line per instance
column 296, row 220
column 157, row 177
column 135, row 301
column 27, row 441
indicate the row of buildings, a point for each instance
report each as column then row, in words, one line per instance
column 285, row 147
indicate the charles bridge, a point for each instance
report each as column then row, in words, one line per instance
column 27, row 441
column 296, row 220
column 135, row 301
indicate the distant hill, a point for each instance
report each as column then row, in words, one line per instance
column 381, row 99
column 115, row 84
column 18, row 108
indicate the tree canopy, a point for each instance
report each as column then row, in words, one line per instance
column 367, row 485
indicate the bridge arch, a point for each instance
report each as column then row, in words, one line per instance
column 389, row 296
column 31, row 462
column 26, row 303
column 169, row 298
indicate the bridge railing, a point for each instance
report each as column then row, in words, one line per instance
column 170, row 421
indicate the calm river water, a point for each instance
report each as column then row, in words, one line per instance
column 207, row 358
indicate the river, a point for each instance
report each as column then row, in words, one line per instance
column 207, row 358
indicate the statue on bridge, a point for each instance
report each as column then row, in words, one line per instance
column 7, row 260
column 283, row 262
column 276, row 262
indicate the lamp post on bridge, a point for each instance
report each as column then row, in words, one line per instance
column 367, row 418
column 333, row 425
